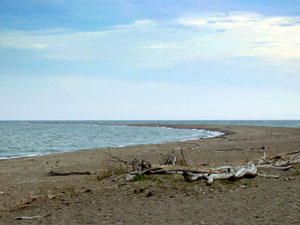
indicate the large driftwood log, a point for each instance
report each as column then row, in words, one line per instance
column 246, row 171
column 191, row 174
column 197, row 174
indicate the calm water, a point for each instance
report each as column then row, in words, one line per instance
column 29, row 138
column 25, row 138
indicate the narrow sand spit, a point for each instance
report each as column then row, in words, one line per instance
column 26, row 190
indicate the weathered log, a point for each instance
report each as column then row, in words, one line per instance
column 193, row 175
column 68, row 173
column 268, row 175
column 220, row 173
column 247, row 171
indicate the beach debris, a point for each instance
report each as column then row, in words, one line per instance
column 194, row 174
column 68, row 173
column 183, row 156
column 31, row 217
column 282, row 161
column 289, row 178
column 227, row 150
column 136, row 164
column 172, row 159
column 149, row 194
column 169, row 159
column 248, row 171
column 266, row 175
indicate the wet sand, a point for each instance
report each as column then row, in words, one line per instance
column 27, row 190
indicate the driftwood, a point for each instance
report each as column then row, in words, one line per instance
column 245, row 171
column 274, row 167
column 170, row 159
column 31, row 217
column 192, row 174
column 68, row 173
column 136, row 164
column 266, row 175
column 277, row 156
column 282, row 161
column 227, row 150
column 183, row 156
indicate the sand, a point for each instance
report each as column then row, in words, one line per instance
column 83, row 199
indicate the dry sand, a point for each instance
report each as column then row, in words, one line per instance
column 82, row 199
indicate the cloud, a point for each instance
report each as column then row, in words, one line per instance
column 276, row 38
column 149, row 43
column 138, row 24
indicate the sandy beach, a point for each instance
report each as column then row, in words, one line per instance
column 26, row 189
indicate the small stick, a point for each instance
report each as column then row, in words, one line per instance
column 183, row 156
column 174, row 160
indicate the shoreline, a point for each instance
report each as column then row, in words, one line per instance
column 131, row 125
column 236, row 203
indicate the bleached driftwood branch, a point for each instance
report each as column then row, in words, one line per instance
column 245, row 171
column 282, row 161
column 31, row 217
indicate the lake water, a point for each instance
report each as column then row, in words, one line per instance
column 30, row 138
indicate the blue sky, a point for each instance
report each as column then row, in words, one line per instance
column 145, row 59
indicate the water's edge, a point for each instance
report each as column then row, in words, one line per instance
column 212, row 134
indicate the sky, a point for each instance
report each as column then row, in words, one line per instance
column 149, row 59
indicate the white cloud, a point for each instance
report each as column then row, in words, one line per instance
column 138, row 24
column 148, row 43
column 278, row 36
